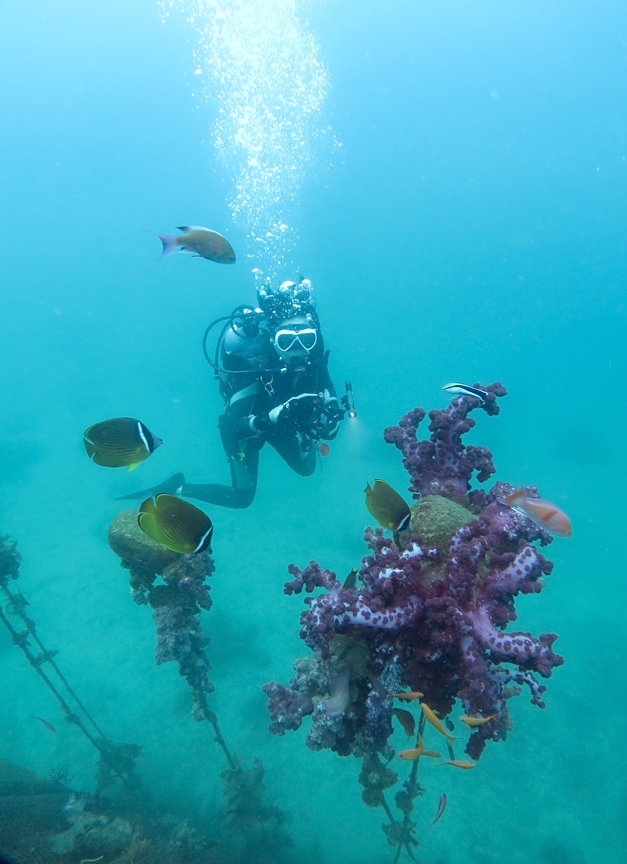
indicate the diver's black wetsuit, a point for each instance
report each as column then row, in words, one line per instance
column 245, row 427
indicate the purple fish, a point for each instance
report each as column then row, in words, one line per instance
column 45, row 723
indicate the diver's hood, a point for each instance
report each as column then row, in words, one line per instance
column 296, row 322
column 288, row 301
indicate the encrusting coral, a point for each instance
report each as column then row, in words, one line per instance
column 177, row 601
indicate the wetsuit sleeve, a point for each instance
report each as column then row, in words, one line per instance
column 245, row 423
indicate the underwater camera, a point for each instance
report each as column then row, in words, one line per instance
column 348, row 400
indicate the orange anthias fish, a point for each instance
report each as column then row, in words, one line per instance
column 416, row 753
column 431, row 718
column 203, row 242
column 459, row 763
column 542, row 512
column 477, row 721
column 410, row 696
column 432, row 754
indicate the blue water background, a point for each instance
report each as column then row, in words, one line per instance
column 472, row 227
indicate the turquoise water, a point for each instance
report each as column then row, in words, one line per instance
column 458, row 203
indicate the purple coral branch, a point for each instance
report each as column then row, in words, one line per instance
column 443, row 464
column 431, row 619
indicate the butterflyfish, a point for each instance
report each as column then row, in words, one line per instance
column 120, row 442
column 477, row 721
column 466, row 390
column 459, row 763
column 441, row 809
column 410, row 696
column 386, row 506
column 203, row 242
column 542, row 512
column 407, row 721
column 415, row 753
column 176, row 524
column 431, row 718
column 351, row 579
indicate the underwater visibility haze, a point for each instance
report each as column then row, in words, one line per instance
column 443, row 186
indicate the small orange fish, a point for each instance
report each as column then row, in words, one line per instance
column 410, row 696
column 409, row 755
column 431, row 718
column 406, row 720
column 542, row 512
column 432, row 754
column 477, row 721
column 416, row 753
column 459, row 763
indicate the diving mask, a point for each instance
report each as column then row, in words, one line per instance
column 295, row 340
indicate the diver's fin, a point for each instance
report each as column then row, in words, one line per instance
column 171, row 486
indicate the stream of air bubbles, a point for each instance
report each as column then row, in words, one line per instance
column 258, row 65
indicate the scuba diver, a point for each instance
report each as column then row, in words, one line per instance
column 273, row 375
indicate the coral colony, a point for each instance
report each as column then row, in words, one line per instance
column 425, row 617
column 430, row 615
column 177, row 600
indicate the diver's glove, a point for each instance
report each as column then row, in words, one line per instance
column 297, row 411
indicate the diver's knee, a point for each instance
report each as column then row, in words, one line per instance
column 243, row 498
column 308, row 465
